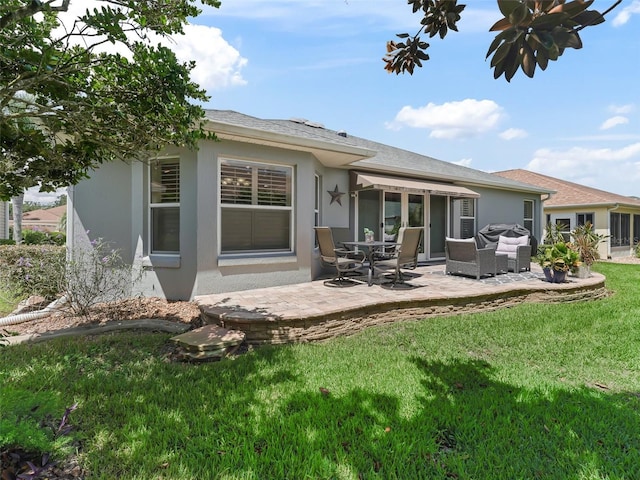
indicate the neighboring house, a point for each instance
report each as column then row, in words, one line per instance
column 611, row 214
column 43, row 219
column 4, row 220
column 239, row 213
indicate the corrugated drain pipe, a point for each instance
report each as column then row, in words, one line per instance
column 25, row 317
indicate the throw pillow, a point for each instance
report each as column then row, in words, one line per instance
column 509, row 245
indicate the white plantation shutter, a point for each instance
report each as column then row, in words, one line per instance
column 164, row 206
column 256, row 207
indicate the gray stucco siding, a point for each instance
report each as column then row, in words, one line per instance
column 504, row 206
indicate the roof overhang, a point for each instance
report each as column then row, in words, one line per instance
column 330, row 154
column 372, row 181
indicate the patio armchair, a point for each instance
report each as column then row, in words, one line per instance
column 512, row 240
column 518, row 252
column 463, row 257
column 344, row 261
column 406, row 257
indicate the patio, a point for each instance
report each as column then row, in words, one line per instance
column 313, row 311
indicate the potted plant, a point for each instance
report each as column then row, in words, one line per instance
column 556, row 260
column 585, row 242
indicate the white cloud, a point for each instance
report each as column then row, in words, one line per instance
column 34, row 195
column 613, row 170
column 613, row 122
column 513, row 133
column 464, row 162
column 450, row 120
column 218, row 63
column 624, row 15
column 622, row 109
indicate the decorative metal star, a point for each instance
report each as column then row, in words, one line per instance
column 336, row 195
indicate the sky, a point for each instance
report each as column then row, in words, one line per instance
column 321, row 60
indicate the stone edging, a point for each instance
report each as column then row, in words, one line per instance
column 142, row 324
column 262, row 328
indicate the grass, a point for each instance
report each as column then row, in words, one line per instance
column 8, row 302
column 536, row 391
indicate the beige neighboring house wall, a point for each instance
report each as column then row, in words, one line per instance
column 616, row 216
column 43, row 219
column 4, row 219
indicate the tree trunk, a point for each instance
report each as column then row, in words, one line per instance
column 17, row 202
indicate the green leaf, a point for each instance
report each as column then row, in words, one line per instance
column 508, row 6
column 589, row 18
column 528, row 61
column 519, row 14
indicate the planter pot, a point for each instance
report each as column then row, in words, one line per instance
column 548, row 274
column 583, row 271
column 559, row 277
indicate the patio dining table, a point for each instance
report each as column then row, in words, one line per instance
column 370, row 248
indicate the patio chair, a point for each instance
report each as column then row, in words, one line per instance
column 518, row 252
column 344, row 261
column 406, row 257
column 512, row 240
column 463, row 257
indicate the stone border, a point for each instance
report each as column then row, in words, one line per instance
column 142, row 324
column 262, row 328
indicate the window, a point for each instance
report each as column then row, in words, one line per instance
column 528, row 216
column 620, row 229
column 563, row 226
column 584, row 218
column 256, row 207
column 164, row 205
column 467, row 217
column 317, row 200
column 636, row 229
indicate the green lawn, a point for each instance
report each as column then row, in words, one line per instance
column 7, row 302
column 532, row 392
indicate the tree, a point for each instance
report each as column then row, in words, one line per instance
column 532, row 32
column 67, row 105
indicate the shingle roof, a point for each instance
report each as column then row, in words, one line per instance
column 46, row 214
column 568, row 193
column 385, row 158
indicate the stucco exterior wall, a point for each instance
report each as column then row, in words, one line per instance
column 223, row 273
column 501, row 206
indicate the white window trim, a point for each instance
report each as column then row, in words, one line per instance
column 254, row 253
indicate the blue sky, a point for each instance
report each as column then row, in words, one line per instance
column 322, row 60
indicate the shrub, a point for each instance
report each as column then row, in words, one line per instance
column 97, row 274
column 33, row 269
column 39, row 237
column 92, row 275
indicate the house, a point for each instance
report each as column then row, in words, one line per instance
column 613, row 215
column 43, row 219
column 4, row 220
column 239, row 213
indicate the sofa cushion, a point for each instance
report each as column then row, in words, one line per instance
column 509, row 245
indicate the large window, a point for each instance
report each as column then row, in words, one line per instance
column 636, row 229
column 620, row 229
column 256, row 207
column 164, row 205
column 528, row 216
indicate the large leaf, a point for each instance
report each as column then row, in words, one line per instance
column 508, row 6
